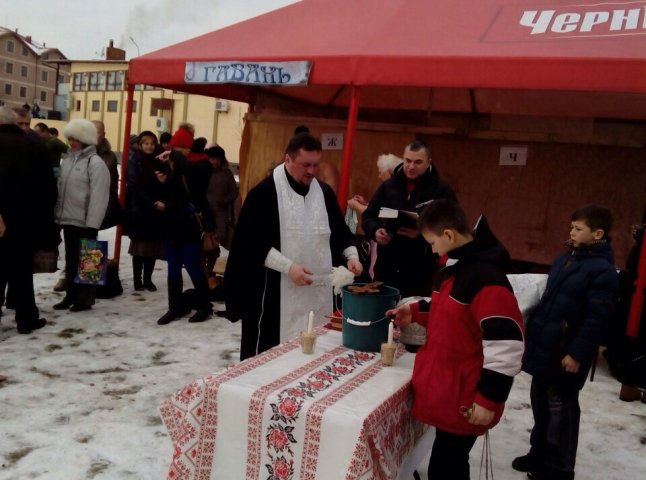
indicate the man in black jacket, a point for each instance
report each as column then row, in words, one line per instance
column 27, row 200
column 404, row 259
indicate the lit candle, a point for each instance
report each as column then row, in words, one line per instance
column 390, row 333
column 310, row 322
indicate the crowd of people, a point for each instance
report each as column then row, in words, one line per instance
column 289, row 234
column 56, row 192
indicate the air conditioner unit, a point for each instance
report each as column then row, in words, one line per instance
column 221, row 106
column 161, row 124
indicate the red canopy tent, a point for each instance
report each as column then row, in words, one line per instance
column 558, row 58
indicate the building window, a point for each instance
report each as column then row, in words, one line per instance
column 24, row 71
column 45, row 56
column 43, row 96
column 44, row 76
column 134, row 106
column 97, row 80
column 23, row 92
column 96, row 105
column 112, row 106
column 115, row 81
column 10, row 46
column 78, row 106
column 80, row 81
column 60, row 79
column 7, row 88
column 8, row 67
column 25, row 51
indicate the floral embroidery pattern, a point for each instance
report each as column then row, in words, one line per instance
column 289, row 404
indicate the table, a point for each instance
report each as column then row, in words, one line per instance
column 335, row 414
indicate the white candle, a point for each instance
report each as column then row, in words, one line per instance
column 390, row 333
column 310, row 322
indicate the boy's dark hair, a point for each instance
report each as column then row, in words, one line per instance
column 303, row 141
column 41, row 126
column 53, row 131
column 443, row 214
column 417, row 145
column 595, row 217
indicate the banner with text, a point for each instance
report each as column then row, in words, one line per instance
column 249, row 73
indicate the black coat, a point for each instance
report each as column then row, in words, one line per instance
column 143, row 220
column 27, row 190
column 184, row 194
column 573, row 314
column 405, row 263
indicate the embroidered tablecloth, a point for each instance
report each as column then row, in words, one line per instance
column 283, row 415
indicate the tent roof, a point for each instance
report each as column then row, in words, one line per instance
column 447, row 45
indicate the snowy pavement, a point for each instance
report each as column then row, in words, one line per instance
column 82, row 394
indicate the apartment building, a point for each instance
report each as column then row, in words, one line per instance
column 30, row 74
column 98, row 91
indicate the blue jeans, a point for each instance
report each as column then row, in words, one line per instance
column 555, row 436
column 188, row 255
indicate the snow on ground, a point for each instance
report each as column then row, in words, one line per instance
column 82, row 394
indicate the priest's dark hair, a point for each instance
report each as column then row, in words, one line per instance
column 443, row 214
column 303, row 141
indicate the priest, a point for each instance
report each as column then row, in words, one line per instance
column 289, row 234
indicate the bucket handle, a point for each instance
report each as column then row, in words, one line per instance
column 364, row 324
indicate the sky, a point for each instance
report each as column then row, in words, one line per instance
column 81, row 29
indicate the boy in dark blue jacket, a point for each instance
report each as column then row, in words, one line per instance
column 562, row 337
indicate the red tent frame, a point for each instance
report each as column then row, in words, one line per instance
column 390, row 53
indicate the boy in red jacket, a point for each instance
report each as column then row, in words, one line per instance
column 474, row 338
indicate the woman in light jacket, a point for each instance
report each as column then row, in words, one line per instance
column 83, row 195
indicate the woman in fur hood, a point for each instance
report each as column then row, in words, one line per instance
column 83, row 194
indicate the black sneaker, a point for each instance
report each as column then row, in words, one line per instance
column 526, row 463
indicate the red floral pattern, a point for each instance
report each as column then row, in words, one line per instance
column 287, row 408
column 191, row 417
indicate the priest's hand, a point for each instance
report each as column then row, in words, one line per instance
column 300, row 275
column 354, row 265
column 382, row 237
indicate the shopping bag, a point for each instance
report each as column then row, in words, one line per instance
column 93, row 258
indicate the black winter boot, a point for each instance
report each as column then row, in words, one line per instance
column 201, row 315
column 149, row 266
column 176, row 307
column 137, row 268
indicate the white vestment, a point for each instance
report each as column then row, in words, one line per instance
column 304, row 239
